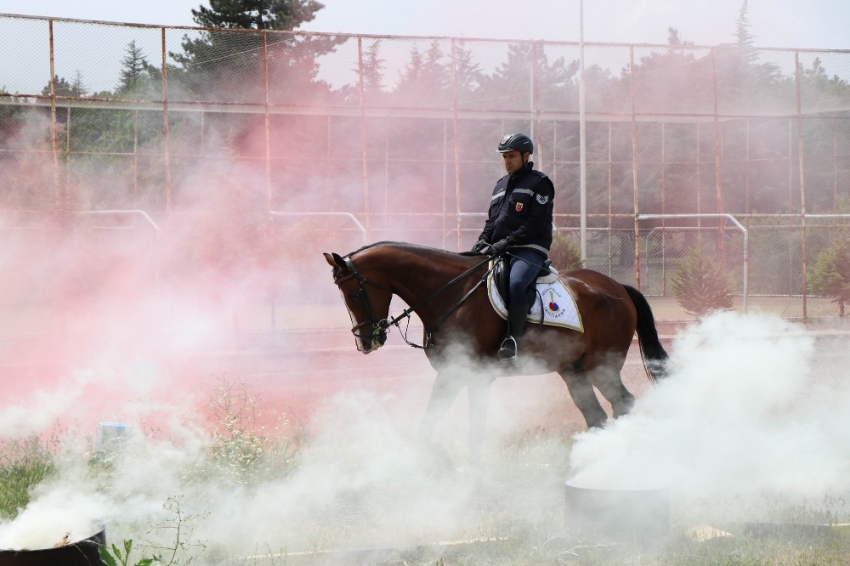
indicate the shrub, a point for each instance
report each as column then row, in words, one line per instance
column 700, row 285
column 565, row 255
column 830, row 275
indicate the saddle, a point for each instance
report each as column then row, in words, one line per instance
column 502, row 277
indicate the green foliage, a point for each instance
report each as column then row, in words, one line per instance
column 117, row 558
column 830, row 275
column 23, row 464
column 565, row 255
column 700, row 285
column 254, row 14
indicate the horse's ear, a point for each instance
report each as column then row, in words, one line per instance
column 335, row 260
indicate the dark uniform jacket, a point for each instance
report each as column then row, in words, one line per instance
column 521, row 210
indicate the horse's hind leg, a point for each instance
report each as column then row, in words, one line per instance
column 583, row 395
column 606, row 377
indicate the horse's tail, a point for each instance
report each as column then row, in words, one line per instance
column 653, row 353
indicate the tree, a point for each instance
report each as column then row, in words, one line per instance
column 565, row 255
column 234, row 61
column 137, row 75
column 256, row 14
column 830, row 276
column 373, row 70
column 700, row 285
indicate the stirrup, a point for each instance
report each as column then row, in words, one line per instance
column 508, row 351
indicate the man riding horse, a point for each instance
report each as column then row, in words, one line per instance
column 519, row 221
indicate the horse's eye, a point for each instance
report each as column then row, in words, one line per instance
column 354, row 297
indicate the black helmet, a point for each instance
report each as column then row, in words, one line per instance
column 516, row 142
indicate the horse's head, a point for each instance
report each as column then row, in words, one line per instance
column 367, row 301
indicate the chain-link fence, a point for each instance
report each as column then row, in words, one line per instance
column 394, row 137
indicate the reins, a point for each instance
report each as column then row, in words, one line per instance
column 384, row 324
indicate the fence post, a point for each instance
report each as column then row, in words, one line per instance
column 663, row 210
column 718, row 180
column 165, row 129
column 535, row 94
column 54, row 132
column 456, row 148
column 363, row 148
column 267, row 124
column 800, row 156
column 635, row 165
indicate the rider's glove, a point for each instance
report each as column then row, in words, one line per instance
column 500, row 247
column 479, row 245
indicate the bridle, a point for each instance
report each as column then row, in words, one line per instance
column 362, row 294
column 383, row 324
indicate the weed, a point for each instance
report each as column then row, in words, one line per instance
column 24, row 463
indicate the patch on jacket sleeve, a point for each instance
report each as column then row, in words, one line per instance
column 542, row 199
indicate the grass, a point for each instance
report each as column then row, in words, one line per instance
column 516, row 519
column 24, row 463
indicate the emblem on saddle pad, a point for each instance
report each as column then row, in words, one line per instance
column 519, row 207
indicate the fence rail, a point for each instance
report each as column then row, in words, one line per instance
column 396, row 133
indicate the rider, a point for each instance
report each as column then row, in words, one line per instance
column 520, row 221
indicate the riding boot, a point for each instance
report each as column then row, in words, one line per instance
column 516, row 325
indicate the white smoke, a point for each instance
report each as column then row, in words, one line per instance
column 742, row 414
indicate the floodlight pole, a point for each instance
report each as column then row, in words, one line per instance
column 582, row 136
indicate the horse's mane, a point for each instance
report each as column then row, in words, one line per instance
column 412, row 247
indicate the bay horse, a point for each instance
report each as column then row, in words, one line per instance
column 462, row 331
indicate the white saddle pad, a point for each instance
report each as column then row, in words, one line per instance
column 553, row 302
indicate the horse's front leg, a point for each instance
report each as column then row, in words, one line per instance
column 447, row 386
column 479, row 401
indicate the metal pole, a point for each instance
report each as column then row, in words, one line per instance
column 456, row 148
column 136, row 159
column 67, row 147
column 634, row 166
column 610, row 203
column 699, row 185
column 747, row 171
column 663, row 211
column 165, row 129
column 582, row 124
column 538, row 138
column 386, row 175
column 54, row 132
column 445, row 181
column 800, row 156
column 267, row 121
column 790, row 205
column 835, row 167
column 718, row 180
column 363, row 151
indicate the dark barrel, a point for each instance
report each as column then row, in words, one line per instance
column 623, row 515
column 81, row 553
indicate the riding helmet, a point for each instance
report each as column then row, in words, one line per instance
column 516, row 142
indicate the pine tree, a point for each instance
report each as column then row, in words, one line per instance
column 134, row 69
column 373, row 69
column 699, row 284
column 256, row 14
column 743, row 37
column 467, row 71
column 830, row 276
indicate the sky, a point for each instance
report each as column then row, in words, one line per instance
column 775, row 23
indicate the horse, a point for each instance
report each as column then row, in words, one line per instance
column 462, row 331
